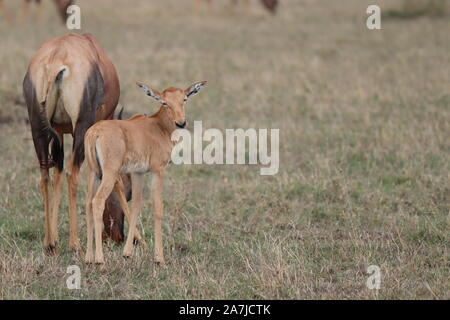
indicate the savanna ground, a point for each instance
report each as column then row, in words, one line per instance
column 364, row 123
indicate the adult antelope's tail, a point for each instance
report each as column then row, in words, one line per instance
column 50, row 102
column 38, row 104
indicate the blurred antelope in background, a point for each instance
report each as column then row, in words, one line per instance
column 138, row 145
column 61, row 6
column 5, row 12
column 270, row 5
column 70, row 84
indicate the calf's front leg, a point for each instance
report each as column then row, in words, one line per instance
column 98, row 207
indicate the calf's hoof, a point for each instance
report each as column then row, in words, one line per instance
column 127, row 254
column 159, row 261
column 89, row 258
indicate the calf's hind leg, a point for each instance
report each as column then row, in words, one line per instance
column 98, row 206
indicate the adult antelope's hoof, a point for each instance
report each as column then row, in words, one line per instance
column 51, row 250
column 160, row 262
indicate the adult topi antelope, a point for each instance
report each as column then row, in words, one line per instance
column 138, row 145
column 270, row 5
column 70, row 84
column 61, row 6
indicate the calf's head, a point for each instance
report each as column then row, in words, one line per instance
column 174, row 100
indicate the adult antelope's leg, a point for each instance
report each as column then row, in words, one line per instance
column 39, row 10
column 247, row 6
column 198, row 4
column 50, row 247
column 91, row 95
column 157, row 202
column 98, row 207
column 89, row 258
column 42, row 135
column 42, row 152
column 41, row 142
column 119, row 188
column 210, row 4
column 56, row 196
column 5, row 12
column 136, row 186
column 25, row 10
column 72, row 182
column 41, row 146
column 85, row 120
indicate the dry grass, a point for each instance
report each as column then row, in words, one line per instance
column 364, row 175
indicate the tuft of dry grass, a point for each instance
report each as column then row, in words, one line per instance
column 364, row 122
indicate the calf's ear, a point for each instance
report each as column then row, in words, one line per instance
column 152, row 93
column 195, row 88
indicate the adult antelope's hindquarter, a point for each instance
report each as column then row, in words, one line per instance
column 70, row 83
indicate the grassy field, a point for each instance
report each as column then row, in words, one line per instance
column 364, row 119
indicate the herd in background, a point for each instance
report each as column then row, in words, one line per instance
column 270, row 5
column 62, row 5
column 408, row 9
